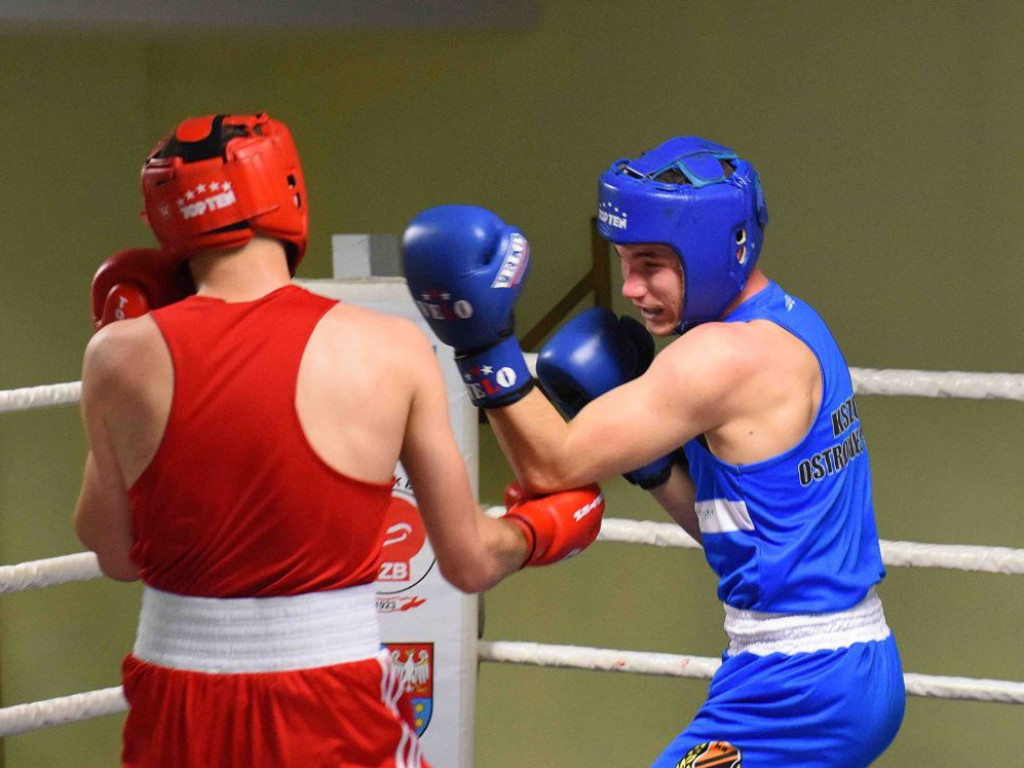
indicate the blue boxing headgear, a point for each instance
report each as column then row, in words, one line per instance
column 682, row 194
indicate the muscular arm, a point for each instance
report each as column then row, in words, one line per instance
column 102, row 516
column 474, row 551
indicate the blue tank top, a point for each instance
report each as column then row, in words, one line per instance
column 794, row 533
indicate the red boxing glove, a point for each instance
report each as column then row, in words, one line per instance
column 556, row 526
column 134, row 281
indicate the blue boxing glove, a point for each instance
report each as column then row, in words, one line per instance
column 465, row 268
column 591, row 354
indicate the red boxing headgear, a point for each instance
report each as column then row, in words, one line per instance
column 219, row 179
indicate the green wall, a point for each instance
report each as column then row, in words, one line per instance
column 889, row 137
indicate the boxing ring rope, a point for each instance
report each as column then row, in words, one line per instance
column 961, row 384
column 34, row 574
column 866, row 381
column 672, row 665
column 82, row 566
column 46, row 396
column 38, row 715
column 989, row 386
column 109, row 701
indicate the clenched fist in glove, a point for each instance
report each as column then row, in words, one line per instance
column 134, row 281
column 465, row 268
column 593, row 353
column 556, row 526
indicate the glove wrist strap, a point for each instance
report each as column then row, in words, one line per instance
column 651, row 476
column 496, row 376
column 658, row 471
column 529, row 532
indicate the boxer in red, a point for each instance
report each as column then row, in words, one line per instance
column 243, row 433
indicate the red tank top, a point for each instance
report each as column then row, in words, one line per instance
column 235, row 502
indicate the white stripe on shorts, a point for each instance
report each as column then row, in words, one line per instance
column 409, row 753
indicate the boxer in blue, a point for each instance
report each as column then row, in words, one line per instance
column 744, row 428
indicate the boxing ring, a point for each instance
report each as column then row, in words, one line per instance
column 83, row 566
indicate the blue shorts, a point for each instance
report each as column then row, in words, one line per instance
column 827, row 709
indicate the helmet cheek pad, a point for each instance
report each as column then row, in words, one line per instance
column 711, row 218
column 253, row 183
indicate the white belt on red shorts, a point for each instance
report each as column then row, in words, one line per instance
column 258, row 634
column 766, row 633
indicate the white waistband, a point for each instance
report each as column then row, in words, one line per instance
column 258, row 634
column 789, row 633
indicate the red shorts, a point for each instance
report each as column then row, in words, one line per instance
column 353, row 715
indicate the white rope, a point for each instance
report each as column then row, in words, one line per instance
column 44, row 573
column 964, row 688
column 892, row 381
column 995, row 386
column 960, row 557
column 67, row 709
column 645, row 532
column 957, row 557
column 972, row 386
column 669, row 665
column 597, row 659
column 866, row 381
column 108, row 701
column 47, row 396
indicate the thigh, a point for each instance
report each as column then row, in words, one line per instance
column 830, row 709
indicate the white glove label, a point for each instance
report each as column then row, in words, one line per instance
column 505, row 377
column 514, row 265
column 583, row 511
